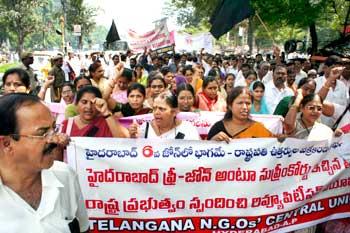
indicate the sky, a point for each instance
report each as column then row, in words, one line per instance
column 137, row 15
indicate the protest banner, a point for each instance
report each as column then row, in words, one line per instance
column 157, row 38
column 190, row 43
column 57, row 110
column 248, row 185
column 164, row 49
column 204, row 120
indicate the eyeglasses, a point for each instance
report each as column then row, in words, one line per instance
column 46, row 135
column 314, row 108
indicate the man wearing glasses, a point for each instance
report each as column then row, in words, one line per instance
column 37, row 193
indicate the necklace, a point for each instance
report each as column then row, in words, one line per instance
column 173, row 126
column 304, row 125
column 82, row 122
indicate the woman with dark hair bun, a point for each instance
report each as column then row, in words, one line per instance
column 237, row 122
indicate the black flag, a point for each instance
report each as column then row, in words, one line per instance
column 112, row 34
column 228, row 13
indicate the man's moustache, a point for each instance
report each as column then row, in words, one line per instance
column 49, row 148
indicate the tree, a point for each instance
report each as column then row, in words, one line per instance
column 201, row 8
column 77, row 12
column 288, row 14
column 185, row 16
column 21, row 17
column 98, row 35
column 296, row 13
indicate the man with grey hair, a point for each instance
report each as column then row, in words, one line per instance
column 264, row 73
column 37, row 193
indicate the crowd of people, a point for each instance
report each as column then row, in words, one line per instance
column 129, row 85
column 312, row 98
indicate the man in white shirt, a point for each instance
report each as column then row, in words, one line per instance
column 232, row 66
column 330, row 87
column 110, row 71
column 276, row 89
column 37, row 193
column 69, row 67
column 240, row 78
column 300, row 74
column 337, row 91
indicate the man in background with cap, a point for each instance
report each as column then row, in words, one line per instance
column 28, row 59
column 59, row 76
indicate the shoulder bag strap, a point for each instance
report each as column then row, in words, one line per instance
column 335, row 126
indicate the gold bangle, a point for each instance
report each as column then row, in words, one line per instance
column 294, row 106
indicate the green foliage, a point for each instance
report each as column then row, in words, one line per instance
column 296, row 13
column 202, row 8
column 184, row 16
column 4, row 67
column 286, row 19
column 81, row 14
column 193, row 16
column 32, row 24
column 21, row 18
column 98, row 35
column 76, row 12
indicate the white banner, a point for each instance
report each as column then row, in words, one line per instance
column 190, row 43
column 204, row 120
column 248, row 185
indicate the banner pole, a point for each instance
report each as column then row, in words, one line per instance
column 265, row 27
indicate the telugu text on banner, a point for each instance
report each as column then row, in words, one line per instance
column 248, row 185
